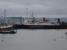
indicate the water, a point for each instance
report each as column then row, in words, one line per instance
column 34, row 40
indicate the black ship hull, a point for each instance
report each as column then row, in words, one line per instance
column 40, row 26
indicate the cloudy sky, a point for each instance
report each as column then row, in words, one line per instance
column 40, row 8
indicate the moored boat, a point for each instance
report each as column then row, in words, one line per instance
column 41, row 26
column 7, row 29
column 45, row 25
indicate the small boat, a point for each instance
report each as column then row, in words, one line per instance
column 7, row 29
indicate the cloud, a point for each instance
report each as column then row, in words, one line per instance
column 49, row 8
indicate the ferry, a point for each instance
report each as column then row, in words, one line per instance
column 45, row 25
column 40, row 26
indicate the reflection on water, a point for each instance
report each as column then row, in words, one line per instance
column 66, row 35
column 34, row 40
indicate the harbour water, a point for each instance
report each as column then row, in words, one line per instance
column 35, row 39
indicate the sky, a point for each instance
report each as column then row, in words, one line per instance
column 40, row 8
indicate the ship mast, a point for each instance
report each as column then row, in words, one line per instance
column 26, row 12
column 32, row 15
column 33, row 18
column 5, row 16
